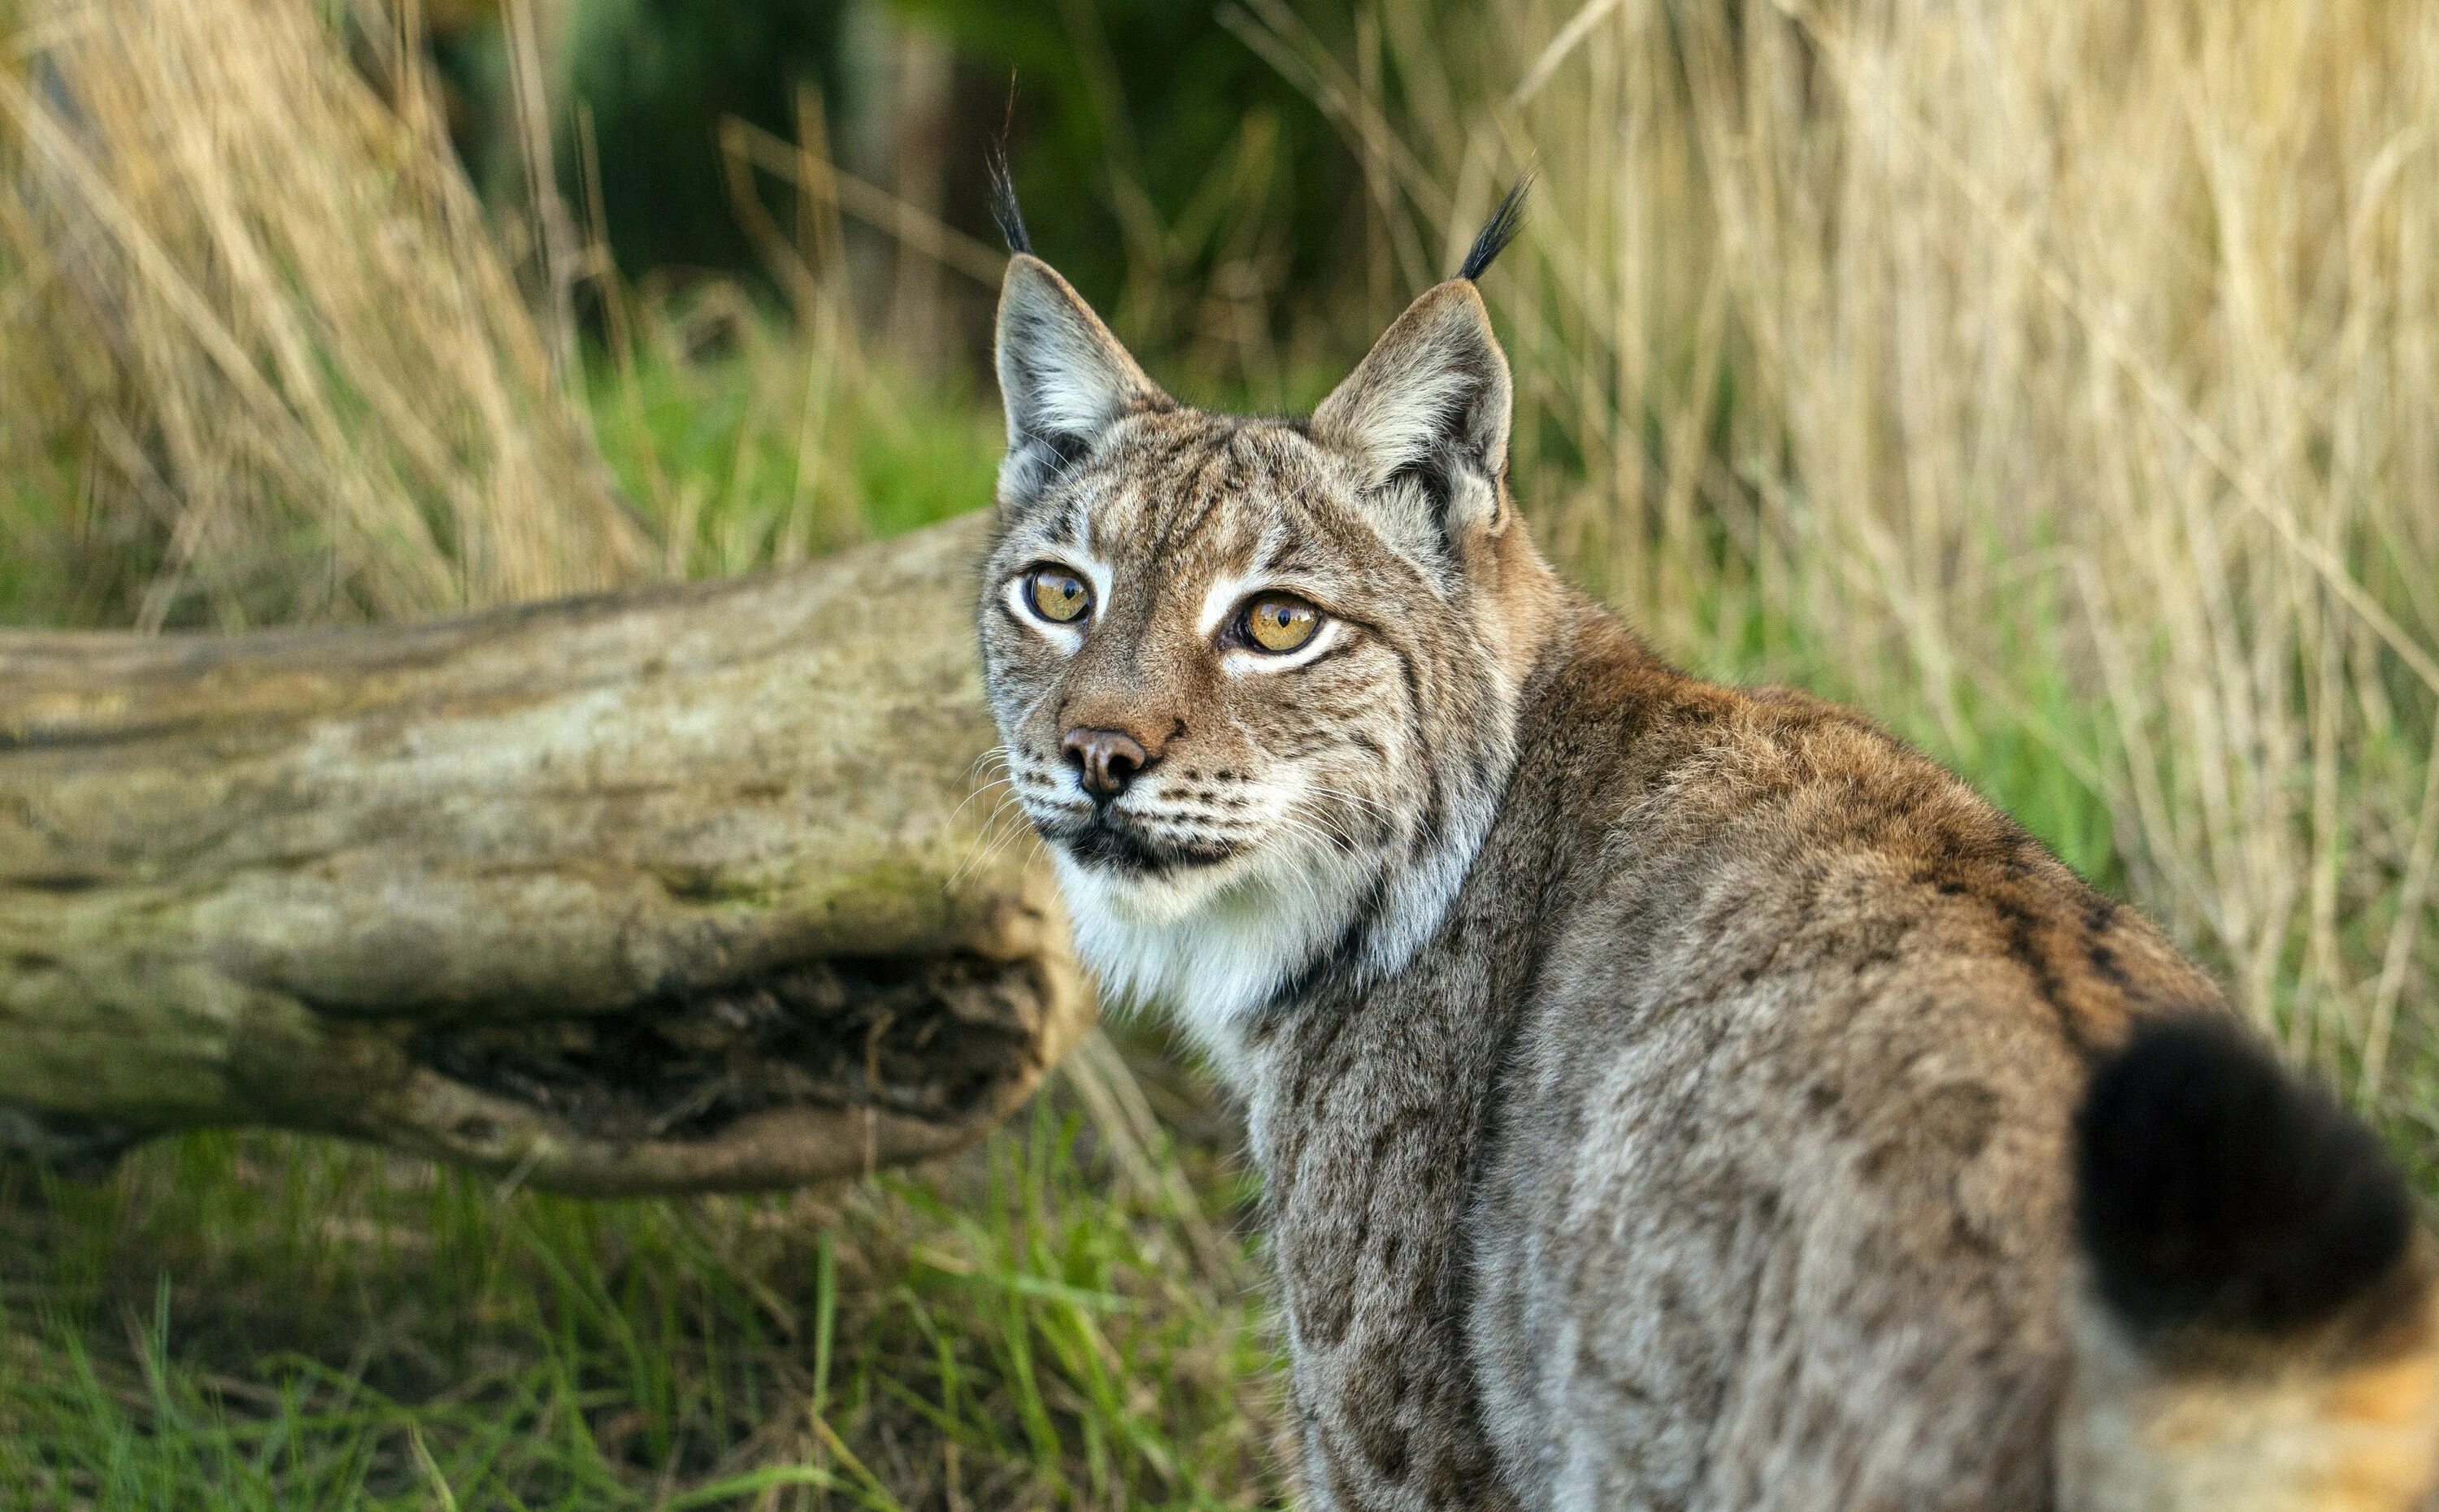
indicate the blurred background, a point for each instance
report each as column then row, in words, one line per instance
column 2054, row 381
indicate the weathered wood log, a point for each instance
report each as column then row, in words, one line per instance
column 688, row 888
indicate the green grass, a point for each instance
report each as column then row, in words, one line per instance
column 36, row 587
column 753, row 455
column 255, row 1321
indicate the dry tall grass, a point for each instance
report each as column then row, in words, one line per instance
column 256, row 315
column 1967, row 344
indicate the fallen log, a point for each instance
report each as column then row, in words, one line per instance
column 694, row 887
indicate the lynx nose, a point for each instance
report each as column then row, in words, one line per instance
column 1106, row 760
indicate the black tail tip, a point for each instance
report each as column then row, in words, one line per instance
column 2217, row 1190
column 1498, row 231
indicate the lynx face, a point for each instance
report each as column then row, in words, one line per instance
column 1248, row 672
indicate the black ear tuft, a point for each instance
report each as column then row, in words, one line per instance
column 2216, row 1188
column 1498, row 231
column 1003, row 188
column 1003, row 208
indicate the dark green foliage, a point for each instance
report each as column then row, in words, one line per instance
column 1150, row 146
column 657, row 76
column 654, row 79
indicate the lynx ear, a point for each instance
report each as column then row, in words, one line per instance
column 1063, row 378
column 1425, row 415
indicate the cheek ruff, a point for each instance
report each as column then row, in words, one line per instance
column 1207, row 946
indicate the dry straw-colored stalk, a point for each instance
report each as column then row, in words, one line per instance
column 1963, row 344
column 259, row 332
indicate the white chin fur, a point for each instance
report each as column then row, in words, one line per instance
column 1207, row 945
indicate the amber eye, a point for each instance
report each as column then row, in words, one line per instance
column 1059, row 597
column 1278, row 624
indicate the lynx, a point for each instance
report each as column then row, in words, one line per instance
column 1665, row 1095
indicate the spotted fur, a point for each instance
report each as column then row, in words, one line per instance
column 1665, row 1095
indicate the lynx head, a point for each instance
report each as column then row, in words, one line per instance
column 1255, row 678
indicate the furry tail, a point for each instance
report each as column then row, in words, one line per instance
column 2256, row 1330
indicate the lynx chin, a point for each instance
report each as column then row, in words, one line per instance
column 1666, row 1096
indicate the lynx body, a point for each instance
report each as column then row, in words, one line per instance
column 1667, row 1097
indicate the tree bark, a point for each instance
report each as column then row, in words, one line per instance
column 688, row 888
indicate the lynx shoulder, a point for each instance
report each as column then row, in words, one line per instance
column 1666, row 1096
